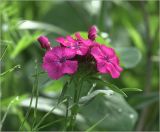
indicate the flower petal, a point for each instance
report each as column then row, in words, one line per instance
column 102, row 67
column 60, row 40
column 68, row 53
column 82, row 50
column 63, row 41
column 87, row 42
column 69, row 38
column 78, row 36
column 56, row 72
column 113, row 71
column 57, row 51
column 44, row 42
column 50, row 56
column 92, row 33
column 115, row 62
column 53, row 69
column 96, row 53
column 107, row 51
column 70, row 67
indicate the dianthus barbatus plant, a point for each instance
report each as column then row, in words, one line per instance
column 82, row 59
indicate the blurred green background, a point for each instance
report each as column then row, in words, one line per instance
column 130, row 26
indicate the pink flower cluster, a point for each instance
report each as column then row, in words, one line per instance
column 61, row 60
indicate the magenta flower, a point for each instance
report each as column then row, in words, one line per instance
column 107, row 61
column 80, row 45
column 64, row 59
column 92, row 33
column 56, row 62
column 44, row 42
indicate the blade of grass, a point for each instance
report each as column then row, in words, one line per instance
column 33, row 93
column 46, row 115
column 63, row 92
column 36, row 86
column 51, row 123
column 28, row 112
column 37, row 93
column 67, row 110
column 74, row 110
column 8, row 108
column 24, row 42
column 92, row 88
column 97, row 123
column 5, row 42
column 61, row 97
column 4, row 53
column 10, row 70
column 5, row 102
column 39, row 73
column 21, row 117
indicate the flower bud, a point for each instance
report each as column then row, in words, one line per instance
column 92, row 33
column 44, row 42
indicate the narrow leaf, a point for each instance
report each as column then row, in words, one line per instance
column 97, row 123
column 109, row 85
column 23, row 43
column 50, row 123
column 8, row 108
column 131, row 89
column 26, row 24
column 63, row 92
column 92, row 95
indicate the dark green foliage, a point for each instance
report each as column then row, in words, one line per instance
column 132, row 28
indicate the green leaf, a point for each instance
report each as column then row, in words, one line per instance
column 94, row 94
column 45, row 104
column 8, row 108
column 131, row 89
column 21, row 117
column 34, row 93
column 109, row 85
column 153, row 23
column 27, row 24
column 15, row 100
column 49, row 111
column 135, row 36
column 121, row 116
column 10, row 103
column 53, row 86
column 129, row 57
column 97, row 123
column 99, row 39
column 24, row 42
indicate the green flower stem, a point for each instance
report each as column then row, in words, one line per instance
column 34, row 91
column 67, row 111
column 37, row 95
column 47, row 114
column 74, row 109
column 78, row 80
